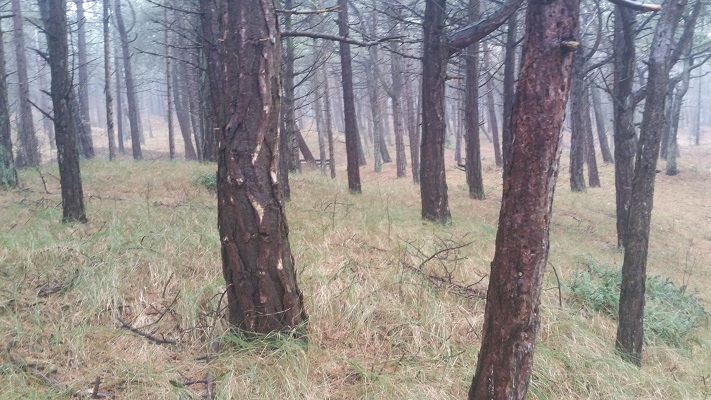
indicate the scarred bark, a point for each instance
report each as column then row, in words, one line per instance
column 262, row 292
column 512, row 315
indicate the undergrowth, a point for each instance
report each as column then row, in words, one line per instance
column 671, row 313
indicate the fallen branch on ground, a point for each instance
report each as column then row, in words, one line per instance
column 148, row 336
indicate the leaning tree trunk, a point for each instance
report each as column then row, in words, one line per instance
column 258, row 267
column 491, row 107
column 133, row 117
column 672, row 125
column 8, row 173
column 512, row 316
column 600, row 125
column 630, row 329
column 349, row 113
column 28, row 154
column 433, row 184
column 54, row 17
column 182, row 110
column 589, row 148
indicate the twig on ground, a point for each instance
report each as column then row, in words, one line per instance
column 148, row 336
column 560, row 292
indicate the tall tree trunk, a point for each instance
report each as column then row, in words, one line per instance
column 672, row 124
column 433, row 184
column 600, row 125
column 28, row 154
column 590, row 158
column 318, row 114
column 169, row 83
column 491, row 108
column 577, row 125
column 262, row 292
column 328, row 121
column 697, row 126
column 182, row 111
column 396, row 97
column 119, row 101
column 623, row 108
column 475, row 182
column 54, row 18
column 630, row 329
column 509, row 87
column 512, row 316
column 47, row 124
column 107, row 83
column 83, row 84
column 349, row 114
column 288, row 113
column 131, row 99
column 8, row 173
column 413, row 131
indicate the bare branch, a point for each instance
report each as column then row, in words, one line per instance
column 303, row 12
column 637, row 6
column 480, row 29
column 317, row 35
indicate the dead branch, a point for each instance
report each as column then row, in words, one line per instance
column 148, row 336
column 637, row 6
column 318, row 35
column 304, row 12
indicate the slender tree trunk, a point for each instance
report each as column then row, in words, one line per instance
column 8, row 173
column 87, row 140
column 600, row 125
column 107, row 83
column 413, row 131
column 677, row 101
column 54, row 18
column 351, row 124
column 396, row 98
column 475, row 182
column 133, row 116
column 288, row 112
column 491, row 108
column 47, row 124
column 119, row 101
column 318, row 115
column 28, row 154
column 590, row 158
column 182, row 111
column 630, row 329
column 329, row 125
column 577, row 125
column 262, row 291
column 697, row 127
column 509, row 87
column 169, row 83
column 433, row 184
column 512, row 316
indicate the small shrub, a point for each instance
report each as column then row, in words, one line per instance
column 209, row 180
column 670, row 314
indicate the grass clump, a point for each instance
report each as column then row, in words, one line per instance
column 671, row 314
column 208, row 180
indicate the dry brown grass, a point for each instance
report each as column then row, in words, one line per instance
column 376, row 330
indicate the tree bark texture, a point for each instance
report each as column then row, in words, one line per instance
column 8, row 173
column 630, row 328
column 512, row 315
column 133, row 117
column 107, row 82
column 349, row 113
column 54, row 18
column 433, row 184
column 577, row 124
column 623, row 110
column 258, row 267
column 509, row 87
column 475, row 181
column 28, row 150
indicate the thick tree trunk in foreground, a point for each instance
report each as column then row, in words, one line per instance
column 257, row 264
column 133, row 117
column 8, row 173
column 28, row 150
column 512, row 315
column 54, row 17
column 630, row 329
column 433, row 188
column 349, row 113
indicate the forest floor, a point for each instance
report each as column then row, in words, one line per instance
column 395, row 304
